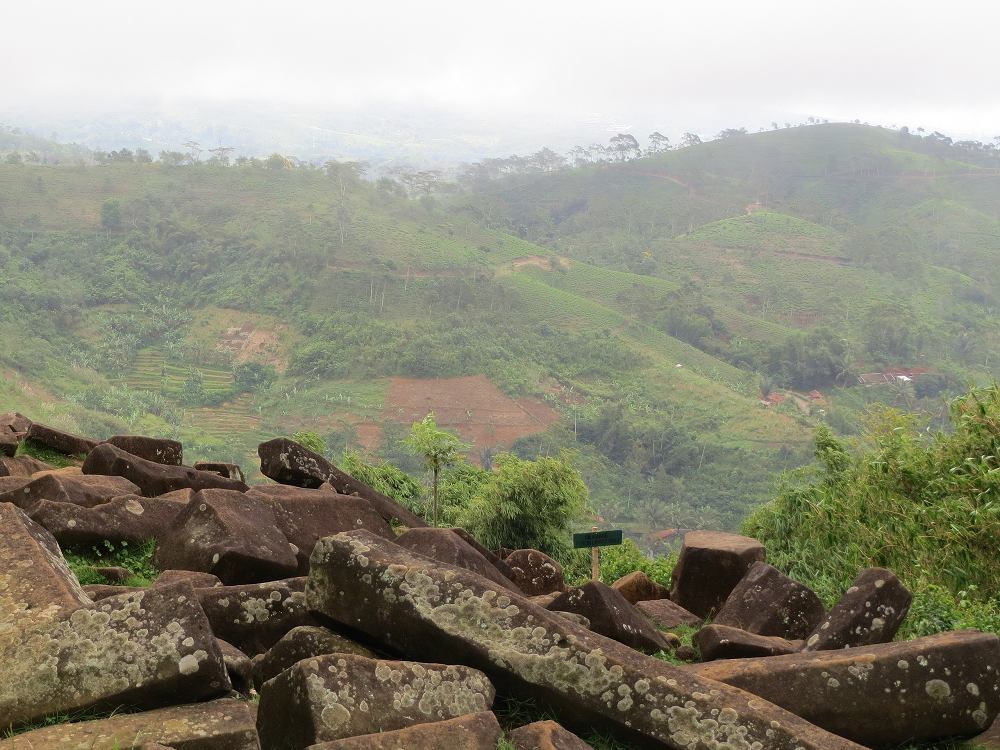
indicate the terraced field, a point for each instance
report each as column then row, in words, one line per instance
column 236, row 418
column 153, row 373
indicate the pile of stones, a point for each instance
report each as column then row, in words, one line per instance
column 296, row 615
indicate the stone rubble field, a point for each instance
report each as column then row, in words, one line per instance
column 293, row 615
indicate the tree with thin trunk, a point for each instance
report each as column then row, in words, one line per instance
column 439, row 450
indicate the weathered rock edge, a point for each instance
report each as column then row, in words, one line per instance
column 434, row 612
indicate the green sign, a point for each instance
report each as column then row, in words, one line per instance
column 597, row 539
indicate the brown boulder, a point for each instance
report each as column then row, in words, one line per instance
column 238, row 666
column 224, row 724
column 157, row 450
column 886, row 694
column 36, row 584
column 287, row 462
column 546, row 735
column 448, row 547
column 62, row 442
column 767, row 602
column 13, row 422
column 335, row 696
column 65, row 488
column 722, row 642
column 152, row 478
column 230, row 535
column 710, row 566
column 13, row 428
column 870, row 611
column 114, row 574
column 232, row 471
column 23, row 466
column 254, row 617
column 304, row 516
column 611, row 615
column 141, row 650
column 298, row 644
column 472, row 732
column 127, row 518
column 535, row 573
column 665, row 614
column 430, row 611
column 638, row 587
column 99, row 591
column 193, row 577
column 505, row 570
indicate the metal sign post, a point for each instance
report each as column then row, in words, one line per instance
column 596, row 539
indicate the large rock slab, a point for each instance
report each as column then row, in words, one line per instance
column 224, row 724
column 287, row 462
column 230, row 535
column 430, row 611
column 722, row 642
column 767, row 602
column 505, row 570
column 473, row 732
column 870, row 611
column 233, row 471
column 886, row 694
column 546, row 735
column 24, row 465
column 710, row 566
column 13, row 428
column 305, row 516
column 152, row 478
column 63, row 442
column 665, row 614
column 140, row 650
column 448, row 547
column 301, row 643
column 36, row 584
column 535, row 573
column 193, row 577
column 610, row 614
column 86, row 491
column 345, row 695
column 238, row 666
column 254, row 617
column 127, row 518
column 157, row 450
column 638, row 587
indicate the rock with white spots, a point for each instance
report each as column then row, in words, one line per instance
column 610, row 614
column 254, row 617
column 886, row 694
column 128, row 518
column 301, row 643
column 448, row 547
column 429, row 611
column 335, row 696
column 157, row 450
column 479, row 731
column 871, row 611
column 767, row 602
column 710, row 566
column 230, row 535
column 722, row 642
column 535, row 573
column 154, row 479
column 224, row 724
column 141, row 650
column 196, row 579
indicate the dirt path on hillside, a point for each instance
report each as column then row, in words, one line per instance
column 673, row 179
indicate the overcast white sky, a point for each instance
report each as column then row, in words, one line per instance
column 687, row 65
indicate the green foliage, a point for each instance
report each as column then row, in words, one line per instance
column 43, row 453
column 138, row 558
column 310, row 441
column 387, row 479
column 438, row 449
column 527, row 504
column 620, row 560
column 251, row 377
column 111, row 214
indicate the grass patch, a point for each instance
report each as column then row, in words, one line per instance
column 138, row 558
column 47, row 455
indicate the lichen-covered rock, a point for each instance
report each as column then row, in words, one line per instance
column 665, row 614
column 638, row 587
column 230, row 535
column 152, row 478
column 302, row 643
column 196, row 579
column 448, row 547
column 505, row 570
column 99, row 591
column 870, row 611
column 36, row 584
column 435, row 612
column 885, row 694
column 85, row 491
column 535, row 573
column 473, row 732
column 335, row 696
column 609, row 614
column 238, row 666
column 580, row 620
column 305, row 515
column 115, row 573
column 157, row 450
column 140, row 650
column 57, row 440
column 287, row 462
column 767, row 602
column 710, row 566
column 127, row 518
column 233, row 471
column 722, row 642
column 254, row 617
column 223, row 724
column 546, row 735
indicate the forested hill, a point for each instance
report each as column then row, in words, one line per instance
column 635, row 312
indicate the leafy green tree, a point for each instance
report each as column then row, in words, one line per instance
column 111, row 214
column 387, row 479
column 251, row 377
column 310, row 441
column 194, row 387
column 439, row 450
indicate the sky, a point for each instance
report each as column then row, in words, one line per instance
column 537, row 67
